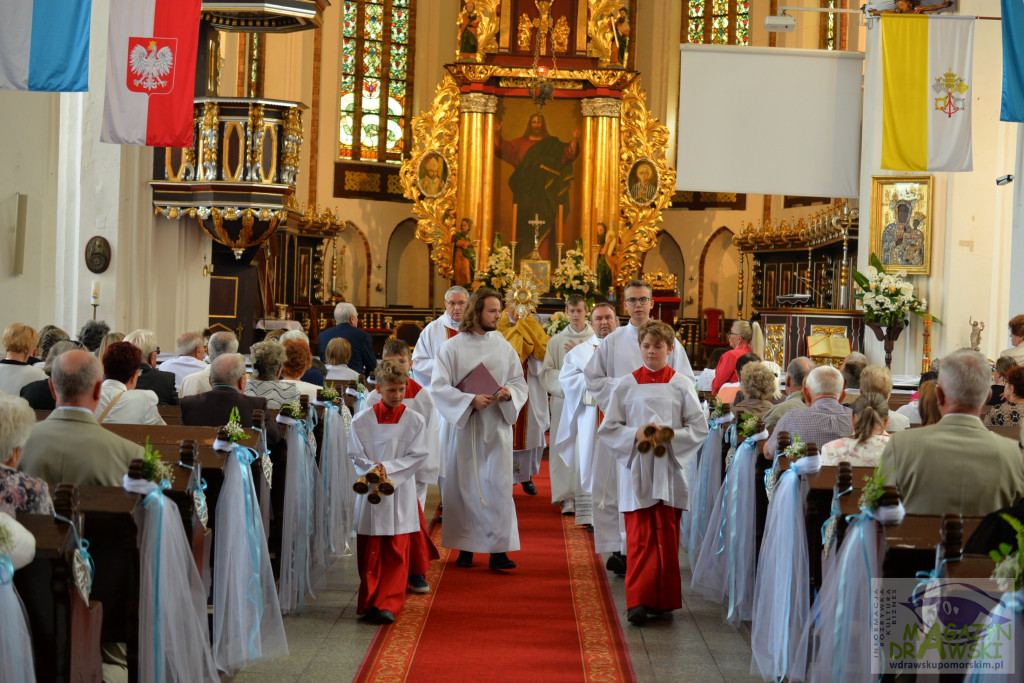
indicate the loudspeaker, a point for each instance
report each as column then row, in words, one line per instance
column 19, row 235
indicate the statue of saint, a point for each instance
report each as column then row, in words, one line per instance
column 605, row 240
column 541, row 180
column 464, row 254
column 469, row 21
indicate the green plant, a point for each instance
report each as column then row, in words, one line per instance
column 153, row 468
column 236, row 432
column 873, row 488
column 1010, row 562
column 795, row 450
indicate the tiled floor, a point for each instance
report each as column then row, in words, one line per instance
column 327, row 642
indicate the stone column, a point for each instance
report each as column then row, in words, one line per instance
column 599, row 192
column 475, row 191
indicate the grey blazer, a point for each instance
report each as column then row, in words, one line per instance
column 955, row 466
column 71, row 446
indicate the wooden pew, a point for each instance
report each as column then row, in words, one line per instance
column 170, row 414
column 65, row 631
column 911, row 544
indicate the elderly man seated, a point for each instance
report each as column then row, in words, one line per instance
column 198, row 382
column 956, row 466
column 823, row 420
column 796, row 374
column 191, row 349
column 70, row 445
column 213, row 408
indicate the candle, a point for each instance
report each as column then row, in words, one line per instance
column 559, row 223
column 515, row 220
column 95, row 292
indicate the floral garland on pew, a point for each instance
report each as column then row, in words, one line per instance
column 153, row 467
column 1010, row 562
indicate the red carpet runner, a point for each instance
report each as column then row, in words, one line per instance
column 552, row 619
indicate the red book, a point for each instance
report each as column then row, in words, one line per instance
column 479, row 381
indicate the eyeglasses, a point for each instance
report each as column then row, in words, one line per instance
column 642, row 301
column 455, row 304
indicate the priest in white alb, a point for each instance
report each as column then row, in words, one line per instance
column 476, row 434
column 530, row 341
column 575, row 439
column 564, row 482
column 616, row 357
column 436, row 333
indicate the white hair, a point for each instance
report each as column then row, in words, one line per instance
column 221, row 343
column 144, row 340
column 965, row 377
column 344, row 311
column 456, row 290
column 227, row 368
column 187, row 343
column 16, row 421
column 824, row 381
column 294, row 334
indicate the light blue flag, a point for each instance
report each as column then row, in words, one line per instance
column 44, row 45
column 1013, row 61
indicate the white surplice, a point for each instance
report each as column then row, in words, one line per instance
column 643, row 478
column 401, row 450
column 424, row 406
column 429, row 343
column 617, row 356
column 479, row 515
column 563, row 479
column 537, row 422
column 576, row 436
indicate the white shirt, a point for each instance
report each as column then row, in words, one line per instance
column 137, row 406
column 196, row 383
column 182, row 367
column 429, row 343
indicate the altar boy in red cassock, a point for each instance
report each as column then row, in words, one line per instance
column 652, row 488
column 389, row 438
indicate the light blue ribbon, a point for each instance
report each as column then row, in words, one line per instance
column 156, row 496
column 730, row 514
column 789, row 577
column 834, row 511
column 6, row 570
column 82, row 546
column 325, row 472
column 305, row 504
column 1013, row 604
column 199, row 487
column 254, row 589
column 700, row 499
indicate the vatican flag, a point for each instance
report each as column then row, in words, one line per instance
column 926, row 92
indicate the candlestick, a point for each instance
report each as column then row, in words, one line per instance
column 94, row 307
column 559, row 245
column 512, row 250
column 926, row 339
column 558, row 225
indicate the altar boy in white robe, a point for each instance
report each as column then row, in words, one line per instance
column 575, row 439
column 564, row 480
column 652, row 487
column 387, row 438
column 530, row 341
column 476, row 434
column 618, row 356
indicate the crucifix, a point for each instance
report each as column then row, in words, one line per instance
column 536, row 223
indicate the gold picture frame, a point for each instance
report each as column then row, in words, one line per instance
column 901, row 229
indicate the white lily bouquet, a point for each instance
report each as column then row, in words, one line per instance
column 499, row 273
column 558, row 322
column 573, row 275
column 887, row 297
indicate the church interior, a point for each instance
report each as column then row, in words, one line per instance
column 378, row 152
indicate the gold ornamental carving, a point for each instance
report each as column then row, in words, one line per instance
column 524, row 33
column 601, row 106
column 602, row 38
column 255, row 141
column 290, row 155
column 775, row 344
column 643, row 141
column 560, row 35
column 659, row 279
column 478, row 103
column 208, row 136
column 436, row 131
column 487, row 24
column 466, row 73
column 828, row 330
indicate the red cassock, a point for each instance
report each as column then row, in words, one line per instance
column 652, row 546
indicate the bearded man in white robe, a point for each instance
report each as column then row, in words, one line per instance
column 476, row 433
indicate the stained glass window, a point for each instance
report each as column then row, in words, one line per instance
column 375, row 72
column 723, row 22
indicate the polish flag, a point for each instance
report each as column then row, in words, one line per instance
column 151, row 71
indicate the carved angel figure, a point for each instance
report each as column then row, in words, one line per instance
column 150, row 65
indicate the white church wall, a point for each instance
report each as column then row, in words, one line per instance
column 972, row 217
column 27, row 163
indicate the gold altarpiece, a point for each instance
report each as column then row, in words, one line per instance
column 605, row 163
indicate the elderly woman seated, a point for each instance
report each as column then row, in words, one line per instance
column 19, row 492
column 266, row 358
column 298, row 360
column 120, row 402
column 338, row 354
column 758, row 384
column 877, row 379
column 1011, row 410
column 864, row 448
column 20, row 343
